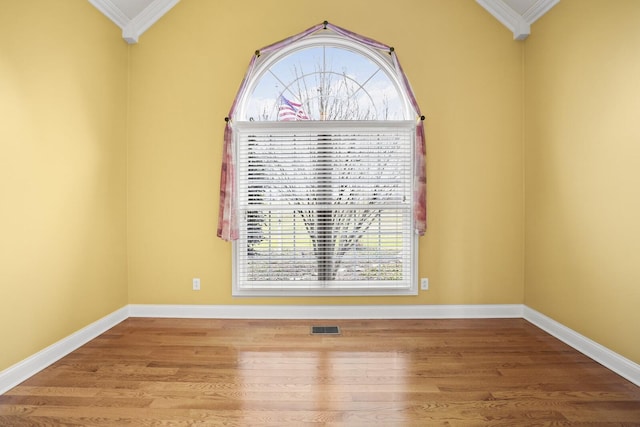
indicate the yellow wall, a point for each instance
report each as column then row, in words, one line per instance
column 467, row 74
column 63, row 82
column 583, row 170
column 98, row 202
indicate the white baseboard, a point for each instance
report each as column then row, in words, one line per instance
column 14, row 375
column 612, row 360
column 19, row 372
column 328, row 311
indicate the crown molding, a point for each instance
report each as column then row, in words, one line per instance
column 145, row 19
column 520, row 25
column 133, row 28
column 538, row 9
column 111, row 11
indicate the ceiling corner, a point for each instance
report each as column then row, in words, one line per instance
column 538, row 9
column 134, row 21
column 111, row 11
column 517, row 15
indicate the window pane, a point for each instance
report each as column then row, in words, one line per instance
column 363, row 245
column 326, row 205
column 330, row 83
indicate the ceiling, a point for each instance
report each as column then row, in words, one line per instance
column 134, row 17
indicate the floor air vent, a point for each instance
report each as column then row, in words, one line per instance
column 325, row 330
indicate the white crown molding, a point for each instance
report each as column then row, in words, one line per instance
column 538, row 9
column 133, row 28
column 30, row 366
column 617, row 363
column 509, row 17
column 111, row 11
column 145, row 19
column 520, row 25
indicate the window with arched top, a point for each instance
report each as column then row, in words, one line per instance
column 322, row 188
column 325, row 77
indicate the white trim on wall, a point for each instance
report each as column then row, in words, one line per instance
column 132, row 28
column 145, row 19
column 328, row 311
column 519, row 24
column 111, row 11
column 612, row 360
column 508, row 17
column 30, row 366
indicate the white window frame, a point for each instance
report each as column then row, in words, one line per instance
column 411, row 288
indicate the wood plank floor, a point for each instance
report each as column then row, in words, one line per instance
column 203, row 372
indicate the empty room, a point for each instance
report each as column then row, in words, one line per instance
column 348, row 213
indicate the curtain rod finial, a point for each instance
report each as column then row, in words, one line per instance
column 257, row 52
column 325, row 23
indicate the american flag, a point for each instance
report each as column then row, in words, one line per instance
column 290, row 111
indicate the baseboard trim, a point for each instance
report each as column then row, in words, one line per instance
column 328, row 311
column 21, row 371
column 14, row 375
column 610, row 359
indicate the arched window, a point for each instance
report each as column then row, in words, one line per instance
column 329, row 78
column 322, row 186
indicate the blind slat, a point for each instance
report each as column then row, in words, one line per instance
column 325, row 205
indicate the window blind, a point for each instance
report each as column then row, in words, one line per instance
column 325, row 206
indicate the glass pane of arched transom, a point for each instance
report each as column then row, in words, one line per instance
column 324, row 82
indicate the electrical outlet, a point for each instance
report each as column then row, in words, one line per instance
column 424, row 284
column 196, row 283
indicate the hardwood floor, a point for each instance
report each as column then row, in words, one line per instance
column 203, row 372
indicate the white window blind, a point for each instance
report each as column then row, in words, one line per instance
column 325, row 208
